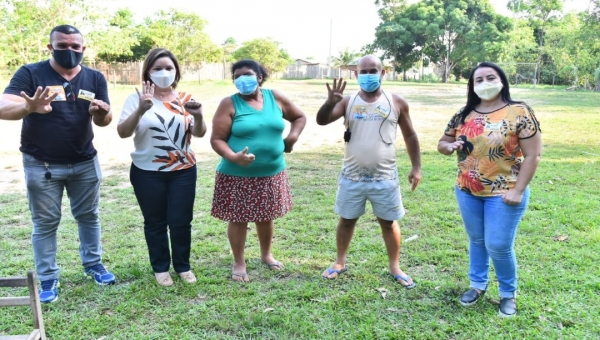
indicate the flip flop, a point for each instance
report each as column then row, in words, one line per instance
column 276, row 264
column 404, row 278
column 336, row 271
column 243, row 276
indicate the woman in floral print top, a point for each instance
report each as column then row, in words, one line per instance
column 163, row 169
column 498, row 144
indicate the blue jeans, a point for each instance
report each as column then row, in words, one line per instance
column 82, row 182
column 167, row 203
column 492, row 226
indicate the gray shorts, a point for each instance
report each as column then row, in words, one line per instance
column 384, row 196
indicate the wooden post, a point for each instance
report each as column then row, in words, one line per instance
column 36, row 309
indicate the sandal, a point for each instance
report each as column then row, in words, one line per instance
column 277, row 266
column 405, row 278
column 240, row 277
column 334, row 271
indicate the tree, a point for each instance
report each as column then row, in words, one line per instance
column 265, row 51
column 25, row 26
column 181, row 33
column 449, row 32
column 590, row 30
column 523, row 46
column 229, row 46
column 539, row 13
column 113, row 43
column 565, row 50
column 345, row 58
column 393, row 37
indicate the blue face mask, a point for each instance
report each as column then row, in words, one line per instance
column 368, row 82
column 246, row 84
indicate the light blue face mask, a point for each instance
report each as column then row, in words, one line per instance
column 246, row 84
column 368, row 82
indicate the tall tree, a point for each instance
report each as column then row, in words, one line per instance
column 229, row 46
column 344, row 58
column 566, row 52
column 181, row 33
column 592, row 38
column 25, row 26
column 394, row 37
column 523, row 46
column 114, row 41
column 265, row 51
column 447, row 31
column 539, row 13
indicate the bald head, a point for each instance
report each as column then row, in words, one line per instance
column 369, row 73
column 369, row 62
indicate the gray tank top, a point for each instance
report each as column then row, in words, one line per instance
column 371, row 153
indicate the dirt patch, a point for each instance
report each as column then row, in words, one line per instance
column 113, row 151
column 430, row 109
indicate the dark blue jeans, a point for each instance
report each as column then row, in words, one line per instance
column 167, row 203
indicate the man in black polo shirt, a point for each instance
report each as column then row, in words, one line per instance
column 58, row 99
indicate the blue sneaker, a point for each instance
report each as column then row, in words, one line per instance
column 100, row 274
column 49, row 290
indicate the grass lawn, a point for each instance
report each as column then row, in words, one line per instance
column 558, row 244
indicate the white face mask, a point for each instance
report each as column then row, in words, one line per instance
column 163, row 78
column 487, row 91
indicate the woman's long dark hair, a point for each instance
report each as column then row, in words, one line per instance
column 473, row 99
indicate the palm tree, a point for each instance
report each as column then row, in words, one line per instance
column 345, row 59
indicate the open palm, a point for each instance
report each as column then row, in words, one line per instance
column 146, row 96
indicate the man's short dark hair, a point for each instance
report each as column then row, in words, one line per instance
column 66, row 29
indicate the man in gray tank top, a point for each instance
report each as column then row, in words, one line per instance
column 369, row 170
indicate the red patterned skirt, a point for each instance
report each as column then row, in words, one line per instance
column 251, row 199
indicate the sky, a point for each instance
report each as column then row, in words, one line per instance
column 306, row 28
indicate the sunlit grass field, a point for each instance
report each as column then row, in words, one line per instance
column 558, row 244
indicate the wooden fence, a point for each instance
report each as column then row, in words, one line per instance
column 131, row 73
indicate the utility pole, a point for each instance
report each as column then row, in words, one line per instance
column 422, row 67
column 329, row 59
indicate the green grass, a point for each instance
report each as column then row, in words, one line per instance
column 559, row 293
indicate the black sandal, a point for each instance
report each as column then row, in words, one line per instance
column 471, row 296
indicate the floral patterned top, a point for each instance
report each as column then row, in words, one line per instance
column 163, row 136
column 490, row 159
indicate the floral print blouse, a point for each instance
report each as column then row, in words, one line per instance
column 490, row 159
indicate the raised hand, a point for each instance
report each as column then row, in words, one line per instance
column 336, row 94
column 40, row 101
column 244, row 158
column 145, row 96
column 193, row 107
